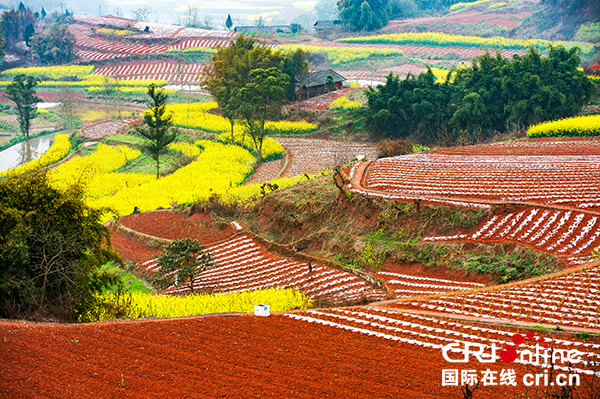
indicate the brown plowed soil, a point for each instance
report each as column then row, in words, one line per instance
column 175, row 226
column 130, row 249
column 218, row 357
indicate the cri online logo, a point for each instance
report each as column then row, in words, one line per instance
column 508, row 354
column 539, row 353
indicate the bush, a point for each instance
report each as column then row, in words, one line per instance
column 52, row 246
column 391, row 148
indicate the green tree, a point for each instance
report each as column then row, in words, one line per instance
column 259, row 100
column 181, row 263
column 364, row 14
column 157, row 127
column 329, row 84
column 56, row 45
column 51, row 248
column 230, row 71
column 43, row 13
column 228, row 22
column 29, row 31
column 22, row 92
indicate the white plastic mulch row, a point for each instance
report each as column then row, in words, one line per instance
column 571, row 300
column 433, row 332
column 546, row 179
column 243, row 264
column 541, row 229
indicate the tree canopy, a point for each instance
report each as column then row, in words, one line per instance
column 56, row 45
column 364, row 15
column 181, row 263
column 157, row 127
column 259, row 100
column 232, row 67
column 22, row 92
column 490, row 96
column 51, row 248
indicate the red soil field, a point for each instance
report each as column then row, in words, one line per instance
column 131, row 249
column 220, row 357
column 174, row 226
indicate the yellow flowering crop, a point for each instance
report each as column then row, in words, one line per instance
column 343, row 104
column 497, row 5
column 343, row 55
column 83, row 169
column 216, row 170
column 251, row 191
column 58, row 150
column 188, row 149
column 580, row 126
column 54, row 72
column 150, row 305
column 106, row 184
column 118, row 32
column 287, row 127
column 446, row 40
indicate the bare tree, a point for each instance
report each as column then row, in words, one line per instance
column 208, row 22
column 192, row 15
column 118, row 11
column 68, row 107
column 142, row 14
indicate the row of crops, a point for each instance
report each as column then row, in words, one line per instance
column 76, row 76
column 436, row 39
column 138, row 305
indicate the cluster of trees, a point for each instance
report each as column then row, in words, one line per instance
column 56, row 45
column 52, row 246
column 364, row 14
column 22, row 92
column 493, row 95
column 251, row 83
column 16, row 26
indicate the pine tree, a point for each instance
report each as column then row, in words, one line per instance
column 43, row 12
column 228, row 22
column 157, row 127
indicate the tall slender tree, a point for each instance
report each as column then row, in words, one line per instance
column 22, row 92
column 259, row 100
column 157, row 127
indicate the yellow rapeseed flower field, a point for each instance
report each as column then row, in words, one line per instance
column 342, row 55
column 217, row 169
column 54, row 72
column 57, row 151
column 150, row 305
column 446, row 40
column 343, row 104
column 82, row 169
column 580, row 126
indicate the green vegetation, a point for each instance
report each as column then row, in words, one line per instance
column 365, row 233
column 22, row 92
column 56, row 45
column 52, row 247
column 181, row 263
column 493, row 94
column 364, row 15
column 130, row 282
column 157, row 127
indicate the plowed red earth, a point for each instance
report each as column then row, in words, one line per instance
column 174, row 226
column 131, row 249
column 218, row 357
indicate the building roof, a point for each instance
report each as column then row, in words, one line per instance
column 318, row 78
column 320, row 25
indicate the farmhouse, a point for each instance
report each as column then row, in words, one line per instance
column 314, row 83
column 324, row 28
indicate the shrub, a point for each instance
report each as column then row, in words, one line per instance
column 391, row 148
